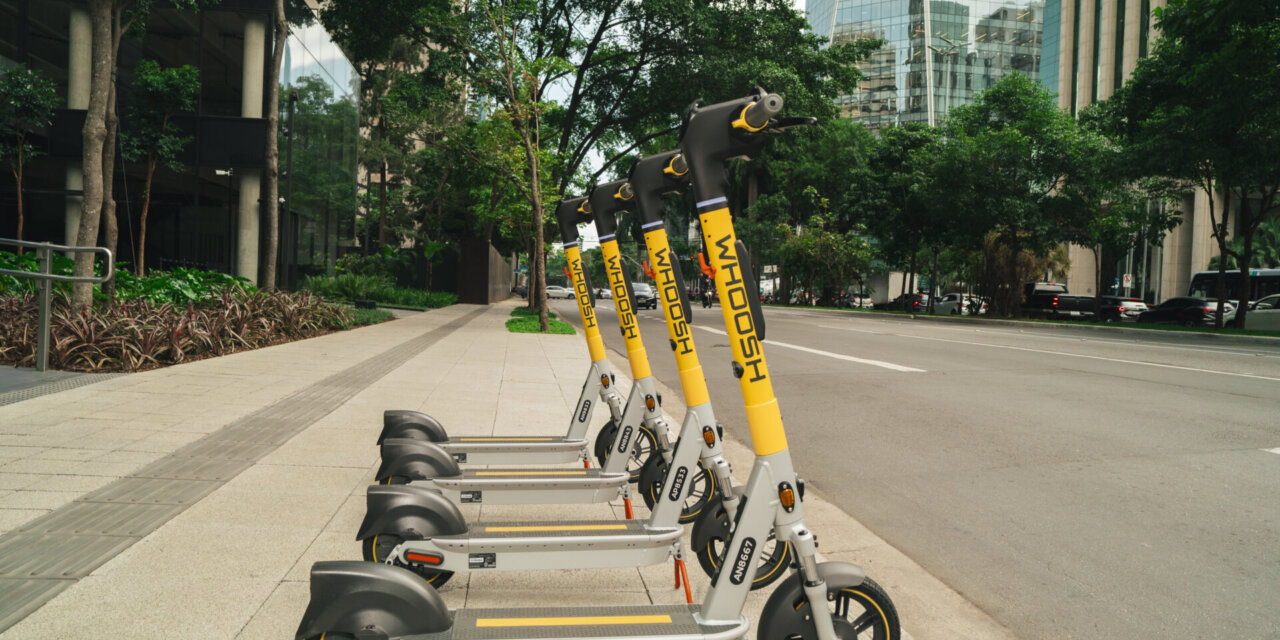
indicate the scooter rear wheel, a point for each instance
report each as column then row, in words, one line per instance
column 646, row 444
column 378, row 548
column 701, row 491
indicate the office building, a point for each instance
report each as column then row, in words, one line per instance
column 207, row 215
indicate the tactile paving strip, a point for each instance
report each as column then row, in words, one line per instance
column 44, row 556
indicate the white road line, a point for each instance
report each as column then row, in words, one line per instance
column 1078, row 355
column 1275, row 451
column 837, row 356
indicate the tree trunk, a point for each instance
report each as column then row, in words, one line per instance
column 110, row 225
column 1245, row 262
column 94, row 135
column 141, row 267
column 17, row 177
column 382, row 205
column 1220, row 234
column 272, row 196
column 1097, row 276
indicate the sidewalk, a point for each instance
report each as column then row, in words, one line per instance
column 191, row 501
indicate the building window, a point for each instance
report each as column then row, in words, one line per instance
column 1144, row 25
column 1075, row 55
column 1119, row 64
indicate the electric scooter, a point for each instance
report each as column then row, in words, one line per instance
column 820, row 601
column 491, row 450
column 419, row 529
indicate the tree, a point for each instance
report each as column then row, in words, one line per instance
column 109, row 20
column 1012, row 148
column 158, row 94
column 27, row 101
column 1203, row 108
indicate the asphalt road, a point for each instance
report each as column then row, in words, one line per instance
column 1071, row 485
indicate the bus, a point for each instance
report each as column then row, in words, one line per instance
column 1262, row 282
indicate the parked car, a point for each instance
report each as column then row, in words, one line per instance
column 1118, row 309
column 854, row 301
column 957, row 304
column 1188, row 312
column 1264, row 314
column 914, row 302
column 554, row 291
column 604, row 294
column 1051, row 300
column 645, row 296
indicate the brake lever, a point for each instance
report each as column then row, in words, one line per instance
column 778, row 125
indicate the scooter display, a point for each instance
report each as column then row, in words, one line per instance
column 822, row 601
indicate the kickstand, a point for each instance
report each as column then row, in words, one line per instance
column 626, row 502
column 682, row 577
column 586, row 464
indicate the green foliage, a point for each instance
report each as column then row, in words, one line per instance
column 135, row 335
column 524, row 320
column 1266, row 248
column 364, row 317
column 157, row 94
column 822, row 259
column 355, row 287
column 27, row 102
column 176, row 286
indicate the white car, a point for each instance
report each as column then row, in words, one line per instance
column 1264, row 314
column 559, row 292
column 959, row 304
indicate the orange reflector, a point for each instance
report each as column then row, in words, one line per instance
column 788, row 497
column 648, row 402
column 425, row 558
column 604, row 380
column 709, row 437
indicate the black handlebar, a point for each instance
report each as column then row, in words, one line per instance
column 757, row 115
column 568, row 217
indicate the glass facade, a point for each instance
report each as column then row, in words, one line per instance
column 196, row 212
column 320, row 191
column 938, row 53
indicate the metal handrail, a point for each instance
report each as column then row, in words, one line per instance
column 45, row 276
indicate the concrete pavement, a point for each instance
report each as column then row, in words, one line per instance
column 191, row 501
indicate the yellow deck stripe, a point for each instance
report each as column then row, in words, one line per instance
column 580, row 472
column 531, row 439
column 571, row 622
column 572, row 527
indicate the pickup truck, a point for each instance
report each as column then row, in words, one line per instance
column 1051, row 300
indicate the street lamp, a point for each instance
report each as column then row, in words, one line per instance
column 952, row 49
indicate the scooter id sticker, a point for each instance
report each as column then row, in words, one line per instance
column 744, row 560
column 471, row 496
column 482, row 560
column 678, row 483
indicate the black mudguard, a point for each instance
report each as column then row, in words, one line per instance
column 786, row 614
column 376, row 601
column 415, row 460
column 712, row 524
column 400, row 423
column 411, row 512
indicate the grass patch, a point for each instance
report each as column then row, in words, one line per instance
column 525, row 320
column 365, row 317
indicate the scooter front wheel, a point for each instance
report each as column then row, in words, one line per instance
column 701, row 491
column 645, row 446
column 378, row 548
column 710, row 535
column 604, row 440
column 858, row 612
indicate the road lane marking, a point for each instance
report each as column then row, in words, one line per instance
column 1087, row 357
column 1275, row 451
column 837, row 356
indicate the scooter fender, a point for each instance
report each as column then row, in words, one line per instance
column 712, row 524
column 413, row 513
column 371, row 600
column 416, row 460
column 785, row 615
column 400, row 423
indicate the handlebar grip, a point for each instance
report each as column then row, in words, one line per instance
column 678, row 166
column 758, row 113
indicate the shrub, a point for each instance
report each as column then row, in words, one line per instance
column 352, row 287
column 138, row 334
column 177, row 286
column 525, row 321
column 363, row 317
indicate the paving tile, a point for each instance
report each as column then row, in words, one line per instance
column 28, row 499
column 11, row 519
column 67, row 454
column 79, row 484
column 280, row 614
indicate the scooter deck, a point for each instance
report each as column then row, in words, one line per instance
column 530, row 479
column 553, row 535
column 509, row 449
column 666, row 622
